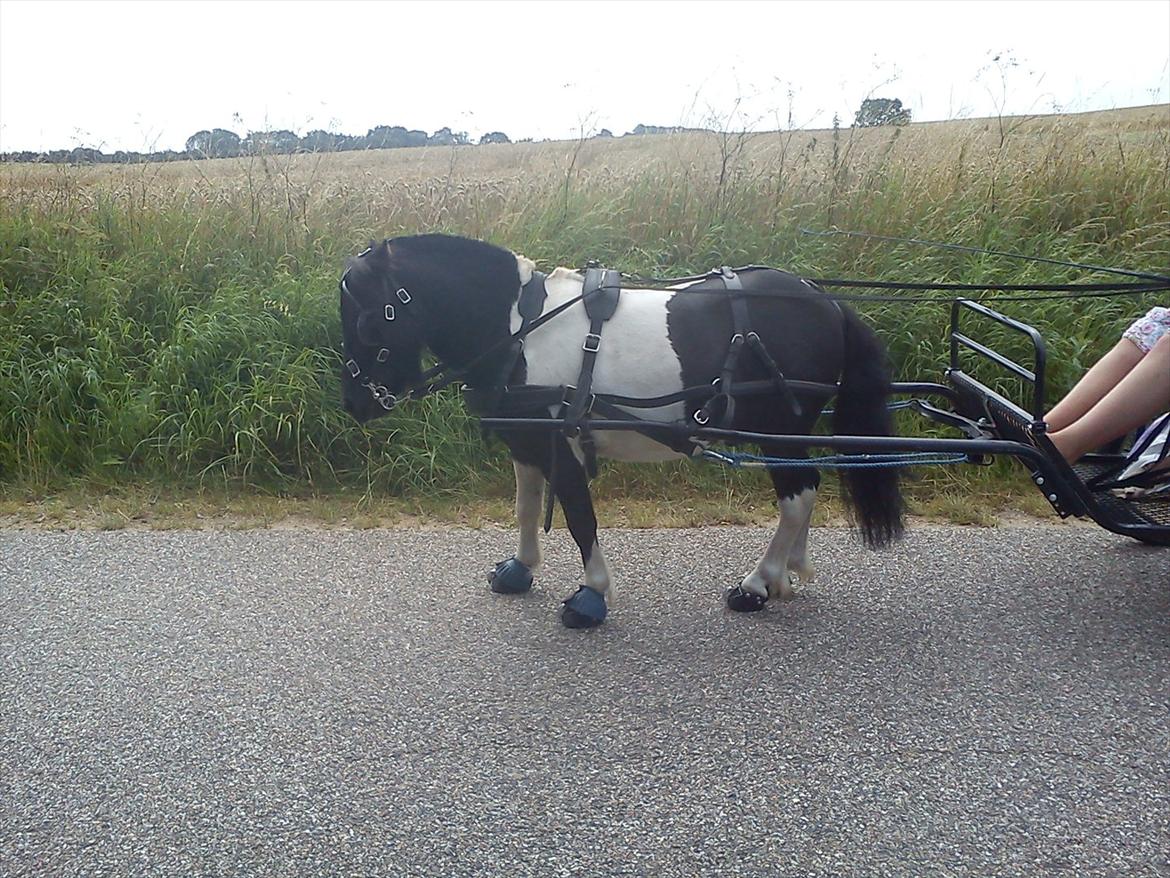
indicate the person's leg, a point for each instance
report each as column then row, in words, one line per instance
column 1141, row 395
column 1105, row 374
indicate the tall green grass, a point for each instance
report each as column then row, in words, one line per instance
column 179, row 323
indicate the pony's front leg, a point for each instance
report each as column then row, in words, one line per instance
column 514, row 575
column 786, row 557
column 586, row 608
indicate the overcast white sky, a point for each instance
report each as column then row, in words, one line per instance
column 130, row 75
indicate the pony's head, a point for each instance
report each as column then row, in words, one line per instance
column 450, row 295
column 382, row 336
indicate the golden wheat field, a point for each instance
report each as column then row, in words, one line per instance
column 423, row 185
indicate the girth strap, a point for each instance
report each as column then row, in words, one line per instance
column 600, row 292
column 739, row 319
column 739, row 322
column 742, row 335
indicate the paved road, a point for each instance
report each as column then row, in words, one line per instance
column 297, row 702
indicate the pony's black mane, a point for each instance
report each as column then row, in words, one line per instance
column 484, row 272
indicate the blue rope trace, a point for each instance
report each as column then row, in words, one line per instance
column 741, row 459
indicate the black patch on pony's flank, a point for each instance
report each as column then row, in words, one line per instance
column 800, row 329
column 811, row 338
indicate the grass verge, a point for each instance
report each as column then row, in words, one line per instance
column 975, row 498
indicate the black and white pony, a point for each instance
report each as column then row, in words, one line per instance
column 462, row 300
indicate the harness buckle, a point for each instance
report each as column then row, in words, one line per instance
column 403, row 295
column 592, row 343
column 383, row 355
column 570, row 392
column 389, row 312
column 701, row 417
column 382, row 394
column 353, row 367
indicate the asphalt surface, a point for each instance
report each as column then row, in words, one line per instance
column 330, row 702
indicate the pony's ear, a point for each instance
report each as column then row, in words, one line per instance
column 379, row 253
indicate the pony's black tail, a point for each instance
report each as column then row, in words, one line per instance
column 861, row 410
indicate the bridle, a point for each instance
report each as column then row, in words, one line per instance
column 447, row 374
column 389, row 313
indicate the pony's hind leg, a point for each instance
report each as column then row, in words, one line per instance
column 800, row 568
column 514, row 575
column 787, row 554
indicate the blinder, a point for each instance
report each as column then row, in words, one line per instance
column 369, row 327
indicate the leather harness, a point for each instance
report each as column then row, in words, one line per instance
column 601, row 293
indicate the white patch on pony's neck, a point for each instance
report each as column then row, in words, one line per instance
column 525, row 266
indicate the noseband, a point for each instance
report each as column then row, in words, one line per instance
column 389, row 313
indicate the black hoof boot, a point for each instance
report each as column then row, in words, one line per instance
column 743, row 601
column 585, row 609
column 510, row 577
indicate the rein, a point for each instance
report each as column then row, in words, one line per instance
column 962, row 248
column 1043, row 291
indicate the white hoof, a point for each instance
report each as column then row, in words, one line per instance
column 782, row 590
column 802, row 571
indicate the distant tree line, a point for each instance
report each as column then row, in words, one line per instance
column 666, row 129
column 221, row 143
